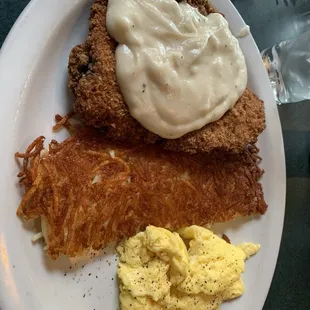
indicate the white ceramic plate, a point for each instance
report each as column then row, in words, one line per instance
column 33, row 88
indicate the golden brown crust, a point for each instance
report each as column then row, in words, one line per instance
column 90, row 198
column 241, row 125
column 99, row 102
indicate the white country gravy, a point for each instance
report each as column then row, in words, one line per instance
column 177, row 69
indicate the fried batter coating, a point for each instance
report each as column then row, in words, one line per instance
column 99, row 102
column 91, row 191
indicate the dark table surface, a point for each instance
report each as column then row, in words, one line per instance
column 271, row 21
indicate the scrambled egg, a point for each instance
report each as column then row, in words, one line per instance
column 191, row 269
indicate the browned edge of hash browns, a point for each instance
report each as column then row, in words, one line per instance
column 166, row 189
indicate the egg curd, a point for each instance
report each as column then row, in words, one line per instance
column 189, row 269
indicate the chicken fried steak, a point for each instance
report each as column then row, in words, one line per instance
column 98, row 100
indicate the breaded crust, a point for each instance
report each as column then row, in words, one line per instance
column 91, row 191
column 99, row 102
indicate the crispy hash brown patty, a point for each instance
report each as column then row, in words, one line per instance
column 91, row 192
column 99, row 102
